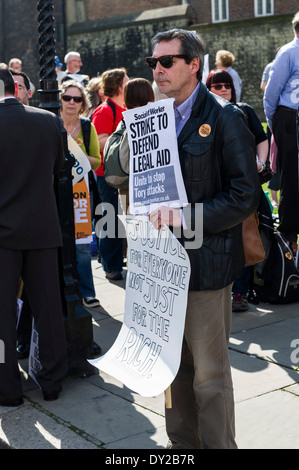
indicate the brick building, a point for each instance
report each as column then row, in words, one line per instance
column 251, row 29
column 111, row 33
column 206, row 11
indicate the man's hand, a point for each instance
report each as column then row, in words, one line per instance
column 165, row 216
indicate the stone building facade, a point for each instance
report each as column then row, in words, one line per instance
column 91, row 10
column 113, row 33
column 105, row 40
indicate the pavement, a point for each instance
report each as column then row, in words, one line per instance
column 99, row 412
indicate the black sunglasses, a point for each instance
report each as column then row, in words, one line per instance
column 165, row 60
column 77, row 99
column 218, row 87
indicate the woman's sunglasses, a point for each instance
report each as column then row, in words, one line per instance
column 77, row 99
column 165, row 60
column 218, row 87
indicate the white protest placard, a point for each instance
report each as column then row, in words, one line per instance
column 206, row 69
column 82, row 165
column 19, row 310
column 82, row 212
column 155, row 172
column 78, row 77
column 147, row 352
column 34, row 365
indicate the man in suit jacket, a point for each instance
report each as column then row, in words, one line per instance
column 31, row 151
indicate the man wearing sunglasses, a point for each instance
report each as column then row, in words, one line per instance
column 217, row 155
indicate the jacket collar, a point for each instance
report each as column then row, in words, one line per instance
column 204, row 111
column 196, row 114
column 10, row 100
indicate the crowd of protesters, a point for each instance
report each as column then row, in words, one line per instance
column 212, row 125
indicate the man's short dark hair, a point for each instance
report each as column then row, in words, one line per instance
column 191, row 45
column 138, row 92
column 7, row 79
column 24, row 75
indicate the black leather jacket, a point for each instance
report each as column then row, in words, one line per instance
column 218, row 162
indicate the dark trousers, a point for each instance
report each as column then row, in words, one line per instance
column 242, row 284
column 39, row 271
column 285, row 134
column 111, row 247
column 25, row 322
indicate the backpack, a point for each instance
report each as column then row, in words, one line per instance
column 112, row 106
column 86, row 126
column 280, row 274
column 116, row 158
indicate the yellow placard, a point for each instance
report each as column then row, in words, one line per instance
column 82, row 212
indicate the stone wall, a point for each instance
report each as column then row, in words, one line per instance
column 98, row 10
column 125, row 41
column 253, row 42
column 90, row 10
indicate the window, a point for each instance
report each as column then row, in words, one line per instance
column 219, row 10
column 263, row 7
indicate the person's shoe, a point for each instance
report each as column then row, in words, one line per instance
column 23, row 350
column 239, row 303
column 114, row 276
column 11, row 403
column 51, row 396
column 91, row 302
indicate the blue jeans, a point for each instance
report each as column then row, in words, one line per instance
column 83, row 257
column 241, row 285
column 110, row 248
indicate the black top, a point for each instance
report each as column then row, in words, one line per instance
column 254, row 123
column 31, row 151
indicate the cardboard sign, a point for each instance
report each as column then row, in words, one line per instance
column 155, row 171
column 82, row 212
column 147, row 352
column 34, row 365
column 82, row 165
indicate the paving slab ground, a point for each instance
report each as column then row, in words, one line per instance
column 98, row 412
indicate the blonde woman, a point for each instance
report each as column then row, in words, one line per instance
column 94, row 94
column 74, row 103
column 225, row 61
